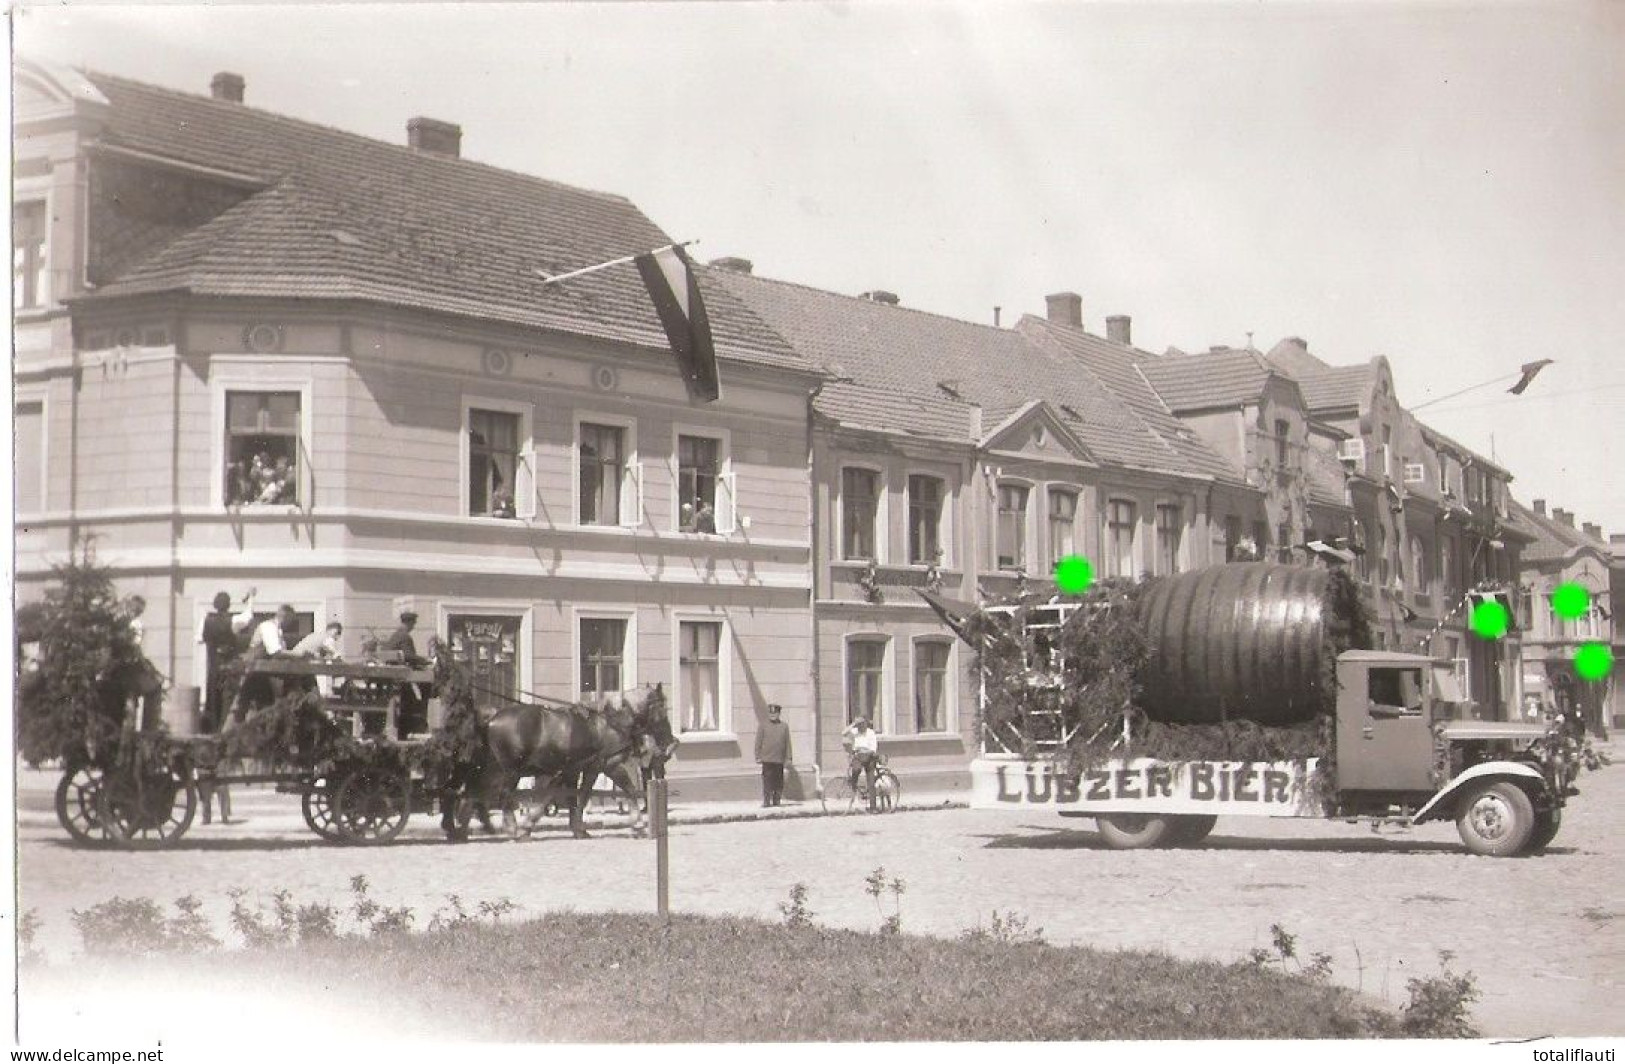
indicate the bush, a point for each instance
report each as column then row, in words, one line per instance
column 137, row 926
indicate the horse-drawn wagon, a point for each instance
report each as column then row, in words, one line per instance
column 331, row 736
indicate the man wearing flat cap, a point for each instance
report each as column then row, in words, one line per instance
column 414, row 709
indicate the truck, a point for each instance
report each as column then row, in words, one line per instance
column 1402, row 747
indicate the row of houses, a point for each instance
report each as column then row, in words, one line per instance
column 256, row 352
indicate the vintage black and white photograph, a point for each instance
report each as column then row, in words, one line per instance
column 786, row 525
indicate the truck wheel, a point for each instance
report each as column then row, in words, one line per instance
column 1132, row 831
column 1546, row 825
column 1496, row 819
column 1189, row 830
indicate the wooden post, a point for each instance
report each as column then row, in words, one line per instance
column 657, row 825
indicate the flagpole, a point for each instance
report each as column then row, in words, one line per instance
column 548, row 279
column 1464, row 391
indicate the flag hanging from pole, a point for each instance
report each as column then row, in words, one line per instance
column 668, row 274
column 1529, row 370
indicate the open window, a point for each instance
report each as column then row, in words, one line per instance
column 1395, row 692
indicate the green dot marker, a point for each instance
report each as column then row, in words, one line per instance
column 1490, row 620
column 1593, row 661
column 1074, row 574
column 1571, row 601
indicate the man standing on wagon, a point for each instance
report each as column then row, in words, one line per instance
column 414, row 708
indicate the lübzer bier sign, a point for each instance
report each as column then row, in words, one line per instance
column 1143, row 785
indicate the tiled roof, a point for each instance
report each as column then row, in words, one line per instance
column 345, row 217
column 1085, row 358
column 899, row 358
column 1337, row 388
column 1199, row 382
column 1554, row 540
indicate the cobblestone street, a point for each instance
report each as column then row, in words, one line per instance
column 1544, row 936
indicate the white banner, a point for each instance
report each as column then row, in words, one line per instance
column 1142, row 785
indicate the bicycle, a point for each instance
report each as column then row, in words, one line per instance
column 888, row 791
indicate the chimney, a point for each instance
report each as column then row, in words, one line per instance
column 1540, row 507
column 1617, row 539
column 227, row 86
column 1066, row 308
column 1564, row 517
column 881, row 296
column 1592, row 529
column 1299, row 342
column 1118, row 329
column 434, row 136
column 733, row 264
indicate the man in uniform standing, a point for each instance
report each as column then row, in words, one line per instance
column 773, row 753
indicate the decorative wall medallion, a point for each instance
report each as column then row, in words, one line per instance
column 263, row 337
column 1040, row 436
column 496, row 362
column 605, row 378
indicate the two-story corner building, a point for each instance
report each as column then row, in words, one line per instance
column 1256, row 417
column 970, row 459
column 257, row 352
column 1560, row 554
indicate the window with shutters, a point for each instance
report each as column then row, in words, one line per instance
column 494, row 462
column 699, row 473
column 609, row 481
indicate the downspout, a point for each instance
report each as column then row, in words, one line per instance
column 812, row 588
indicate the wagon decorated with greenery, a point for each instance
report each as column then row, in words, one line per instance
column 325, row 730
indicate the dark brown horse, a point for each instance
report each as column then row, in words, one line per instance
column 566, row 747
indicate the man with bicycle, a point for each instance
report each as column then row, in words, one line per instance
column 862, row 744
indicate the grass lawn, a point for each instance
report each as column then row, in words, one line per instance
column 625, row 978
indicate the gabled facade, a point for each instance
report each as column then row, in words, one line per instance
column 268, row 354
column 1564, row 554
column 1431, row 515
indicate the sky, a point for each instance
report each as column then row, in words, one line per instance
column 1443, row 184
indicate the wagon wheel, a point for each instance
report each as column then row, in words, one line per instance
column 145, row 808
column 372, row 805
column 317, row 807
column 76, row 803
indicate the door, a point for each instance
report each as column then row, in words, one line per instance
column 1384, row 740
column 487, row 646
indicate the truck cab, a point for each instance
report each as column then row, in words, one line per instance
column 1388, row 704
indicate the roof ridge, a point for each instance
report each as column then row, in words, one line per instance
column 234, row 107
column 999, row 329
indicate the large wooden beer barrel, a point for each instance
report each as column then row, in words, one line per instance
column 1246, row 641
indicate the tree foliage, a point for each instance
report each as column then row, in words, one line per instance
column 71, row 695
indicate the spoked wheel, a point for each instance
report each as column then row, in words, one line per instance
column 372, row 805
column 76, row 803
column 145, row 809
column 317, row 806
column 840, row 793
column 887, row 790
